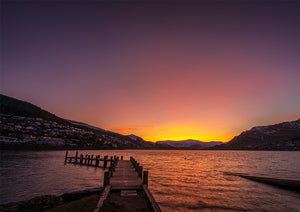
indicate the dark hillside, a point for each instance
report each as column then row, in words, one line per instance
column 12, row 106
column 282, row 136
column 26, row 126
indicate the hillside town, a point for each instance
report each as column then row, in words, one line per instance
column 37, row 131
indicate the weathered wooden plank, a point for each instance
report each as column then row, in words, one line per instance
column 293, row 185
column 145, row 178
column 125, row 176
column 138, row 187
column 102, row 198
column 125, row 183
column 151, row 199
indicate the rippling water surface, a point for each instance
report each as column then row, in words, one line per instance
column 179, row 180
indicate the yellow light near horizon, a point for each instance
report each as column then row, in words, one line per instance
column 185, row 133
column 172, row 131
column 205, row 138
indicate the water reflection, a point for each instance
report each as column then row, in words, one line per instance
column 28, row 174
column 179, row 180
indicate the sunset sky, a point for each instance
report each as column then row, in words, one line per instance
column 163, row 70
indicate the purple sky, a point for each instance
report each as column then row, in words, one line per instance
column 161, row 70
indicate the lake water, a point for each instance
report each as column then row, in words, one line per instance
column 178, row 180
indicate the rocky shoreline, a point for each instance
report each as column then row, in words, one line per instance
column 46, row 202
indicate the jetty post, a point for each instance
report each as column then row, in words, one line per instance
column 85, row 159
column 106, row 179
column 105, row 161
column 76, row 156
column 145, row 178
column 110, row 171
column 140, row 171
column 66, row 156
column 81, row 158
column 97, row 161
column 89, row 159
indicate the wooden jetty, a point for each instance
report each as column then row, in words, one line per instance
column 125, row 183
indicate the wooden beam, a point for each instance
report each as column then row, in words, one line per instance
column 102, row 198
column 151, row 199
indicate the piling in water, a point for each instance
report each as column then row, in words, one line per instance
column 66, row 156
column 81, row 158
column 76, row 157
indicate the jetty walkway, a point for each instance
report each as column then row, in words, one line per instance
column 125, row 177
column 125, row 184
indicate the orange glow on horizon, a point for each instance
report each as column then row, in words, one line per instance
column 204, row 138
column 175, row 133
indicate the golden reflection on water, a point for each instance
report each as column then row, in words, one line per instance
column 196, row 180
column 179, row 180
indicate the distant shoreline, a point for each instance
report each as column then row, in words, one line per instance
column 45, row 147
